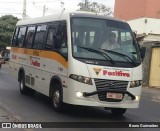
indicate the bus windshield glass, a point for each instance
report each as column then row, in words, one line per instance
column 114, row 38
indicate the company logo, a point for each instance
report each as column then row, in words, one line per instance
column 34, row 62
column 116, row 73
column 6, row 125
column 97, row 70
column 111, row 84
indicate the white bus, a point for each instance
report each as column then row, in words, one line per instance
column 61, row 57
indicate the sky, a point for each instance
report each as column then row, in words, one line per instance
column 35, row 7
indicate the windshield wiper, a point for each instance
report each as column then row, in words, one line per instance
column 119, row 54
column 98, row 52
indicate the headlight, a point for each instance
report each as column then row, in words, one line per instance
column 82, row 79
column 135, row 83
column 137, row 98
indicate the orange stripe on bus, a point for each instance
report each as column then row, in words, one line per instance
column 41, row 53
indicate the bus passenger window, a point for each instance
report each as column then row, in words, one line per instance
column 50, row 37
column 15, row 37
column 62, row 45
column 29, row 37
column 64, row 35
column 39, row 38
column 21, row 36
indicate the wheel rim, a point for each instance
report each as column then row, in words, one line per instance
column 56, row 98
column 21, row 85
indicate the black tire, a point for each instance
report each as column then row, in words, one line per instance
column 118, row 111
column 23, row 89
column 56, row 98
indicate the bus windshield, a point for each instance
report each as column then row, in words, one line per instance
column 114, row 38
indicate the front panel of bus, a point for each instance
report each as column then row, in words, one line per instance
column 106, row 77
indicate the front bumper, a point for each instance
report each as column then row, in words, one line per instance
column 91, row 95
column 85, row 94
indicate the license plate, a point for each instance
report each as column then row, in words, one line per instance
column 114, row 96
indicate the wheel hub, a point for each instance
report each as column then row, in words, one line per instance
column 21, row 85
column 56, row 98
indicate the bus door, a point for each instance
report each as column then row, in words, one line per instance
column 56, row 52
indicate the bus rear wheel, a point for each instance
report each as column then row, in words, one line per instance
column 56, row 98
column 118, row 111
column 22, row 87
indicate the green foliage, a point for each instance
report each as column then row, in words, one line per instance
column 94, row 7
column 7, row 25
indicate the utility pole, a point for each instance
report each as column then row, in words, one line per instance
column 63, row 9
column 85, row 4
column 24, row 9
column 44, row 10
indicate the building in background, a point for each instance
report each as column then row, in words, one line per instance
column 142, row 15
column 134, row 9
column 147, row 29
column 144, row 18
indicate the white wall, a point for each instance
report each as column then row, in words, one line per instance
column 145, row 25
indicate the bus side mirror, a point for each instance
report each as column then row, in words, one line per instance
column 135, row 35
column 143, row 52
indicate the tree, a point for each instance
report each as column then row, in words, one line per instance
column 94, row 7
column 7, row 25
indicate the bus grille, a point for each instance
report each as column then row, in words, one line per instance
column 102, row 84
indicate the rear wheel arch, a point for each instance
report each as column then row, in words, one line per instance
column 20, row 73
column 21, row 79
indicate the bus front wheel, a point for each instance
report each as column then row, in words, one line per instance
column 56, row 98
column 118, row 111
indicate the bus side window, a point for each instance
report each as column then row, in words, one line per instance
column 63, row 35
column 50, row 37
column 21, row 36
column 39, row 38
column 14, row 40
column 61, row 43
column 29, row 37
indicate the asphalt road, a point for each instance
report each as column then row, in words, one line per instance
column 22, row 108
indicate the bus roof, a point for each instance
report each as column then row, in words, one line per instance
column 63, row 16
